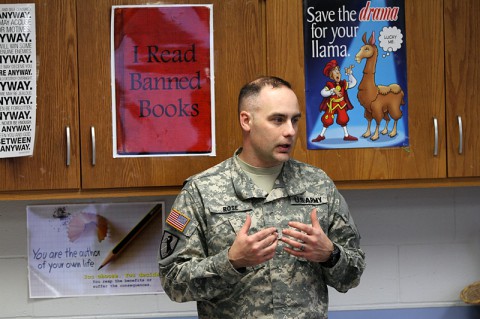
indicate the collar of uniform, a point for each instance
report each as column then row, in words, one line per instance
column 290, row 179
column 243, row 185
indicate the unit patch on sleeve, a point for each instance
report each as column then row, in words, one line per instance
column 169, row 242
column 177, row 220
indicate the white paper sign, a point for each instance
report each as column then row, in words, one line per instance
column 17, row 80
column 94, row 249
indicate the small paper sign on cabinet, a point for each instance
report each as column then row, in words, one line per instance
column 17, row 80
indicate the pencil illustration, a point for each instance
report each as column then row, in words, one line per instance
column 117, row 250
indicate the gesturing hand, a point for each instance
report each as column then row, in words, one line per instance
column 349, row 69
column 308, row 241
column 247, row 251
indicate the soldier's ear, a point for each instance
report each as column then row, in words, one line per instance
column 245, row 120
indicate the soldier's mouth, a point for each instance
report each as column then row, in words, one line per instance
column 284, row 147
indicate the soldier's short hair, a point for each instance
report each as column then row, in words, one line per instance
column 253, row 88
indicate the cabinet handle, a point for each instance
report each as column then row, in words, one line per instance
column 69, row 144
column 460, row 134
column 435, row 130
column 94, row 147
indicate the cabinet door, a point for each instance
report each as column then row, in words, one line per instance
column 57, row 105
column 425, row 72
column 238, row 57
column 462, row 45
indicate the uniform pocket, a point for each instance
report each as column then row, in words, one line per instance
column 224, row 224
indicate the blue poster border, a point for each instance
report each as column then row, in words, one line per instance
column 321, row 45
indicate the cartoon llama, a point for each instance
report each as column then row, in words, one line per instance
column 380, row 102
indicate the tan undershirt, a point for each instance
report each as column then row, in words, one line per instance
column 263, row 177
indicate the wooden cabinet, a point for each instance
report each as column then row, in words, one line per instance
column 443, row 76
column 251, row 38
column 462, row 80
column 425, row 72
column 57, row 105
column 78, row 96
column 239, row 56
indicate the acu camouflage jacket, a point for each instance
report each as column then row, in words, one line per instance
column 202, row 226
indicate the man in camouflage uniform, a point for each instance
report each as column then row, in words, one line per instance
column 260, row 235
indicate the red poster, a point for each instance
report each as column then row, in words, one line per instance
column 163, row 72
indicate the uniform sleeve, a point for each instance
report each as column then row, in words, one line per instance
column 186, row 270
column 342, row 231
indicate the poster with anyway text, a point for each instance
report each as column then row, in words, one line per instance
column 163, row 83
column 355, row 74
column 18, row 82
column 94, row 249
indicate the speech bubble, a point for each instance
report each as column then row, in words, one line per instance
column 391, row 39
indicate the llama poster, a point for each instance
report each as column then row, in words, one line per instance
column 355, row 74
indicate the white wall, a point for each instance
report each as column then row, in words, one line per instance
column 422, row 246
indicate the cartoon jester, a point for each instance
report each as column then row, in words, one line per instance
column 335, row 100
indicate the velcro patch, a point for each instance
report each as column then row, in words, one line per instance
column 177, row 220
column 169, row 242
column 305, row 200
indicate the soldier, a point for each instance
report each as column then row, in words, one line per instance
column 261, row 235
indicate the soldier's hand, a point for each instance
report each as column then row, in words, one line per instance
column 251, row 250
column 308, row 241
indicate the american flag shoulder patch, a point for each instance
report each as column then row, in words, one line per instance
column 177, row 220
